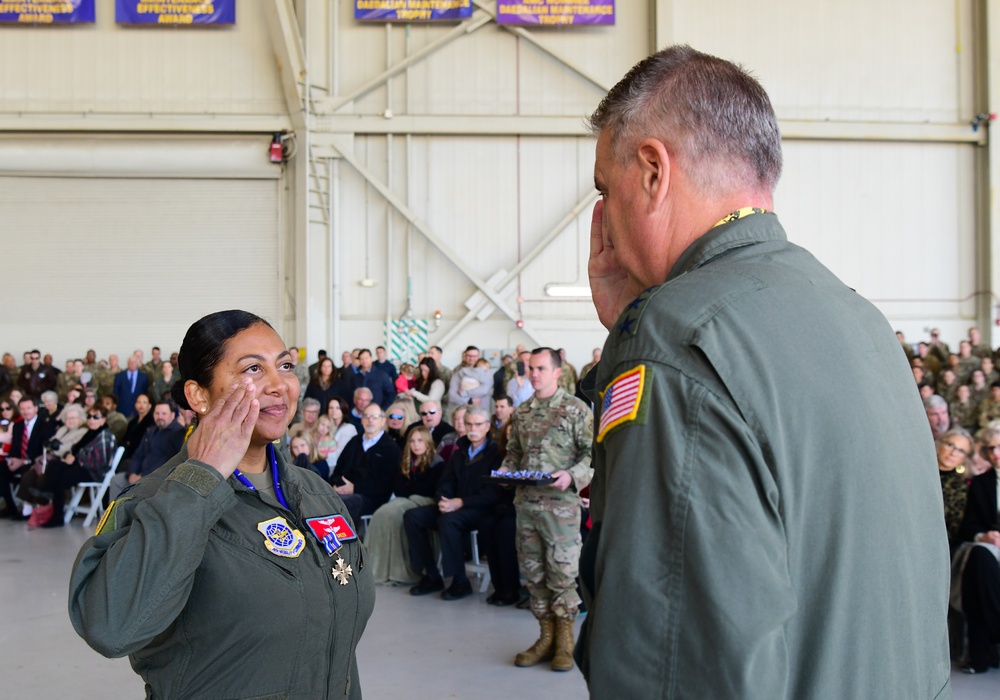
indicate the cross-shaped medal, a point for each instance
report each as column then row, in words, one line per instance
column 342, row 571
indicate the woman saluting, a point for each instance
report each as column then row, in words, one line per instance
column 227, row 572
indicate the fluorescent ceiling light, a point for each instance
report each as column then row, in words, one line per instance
column 568, row 290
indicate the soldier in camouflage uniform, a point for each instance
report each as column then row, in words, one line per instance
column 567, row 375
column 552, row 432
column 989, row 409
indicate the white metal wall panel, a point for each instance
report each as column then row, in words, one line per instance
column 892, row 60
column 106, row 68
column 892, row 220
column 118, row 264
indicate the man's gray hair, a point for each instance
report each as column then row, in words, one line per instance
column 47, row 395
column 934, row 401
column 363, row 390
column 480, row 411
column 310, row 403
column 712, row 115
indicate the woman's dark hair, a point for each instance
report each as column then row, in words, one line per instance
column 432, row 374
column 203, row 347
column 345, row 410
column 317, row 378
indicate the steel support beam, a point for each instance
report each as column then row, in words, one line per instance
column 986, row 23
column 333, row 104
column 456, row 260
column 290, row 57
column 329, row 128
column 546, row 241
column 534, row 41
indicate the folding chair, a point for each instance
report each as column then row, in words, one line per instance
column 96, row 489
column 476, row 566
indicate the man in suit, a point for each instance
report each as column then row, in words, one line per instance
column 367, row 468
column 369, row 376
column 27, row 440
column 129, row 383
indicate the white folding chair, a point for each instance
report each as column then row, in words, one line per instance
column 96, row 490
column 477, row 567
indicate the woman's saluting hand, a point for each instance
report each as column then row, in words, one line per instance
column 224, row 432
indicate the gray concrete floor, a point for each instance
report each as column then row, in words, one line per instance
column 414, row 648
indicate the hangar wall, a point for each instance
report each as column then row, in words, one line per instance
column 438, row 167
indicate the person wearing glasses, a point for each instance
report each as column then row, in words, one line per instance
column 87, row 460
column 366, row 470
column 463, row 499
column 399, row 416
column 432, row 418
column 8, row 417
column 228, row 572
column 977, row 561
column 954, row 450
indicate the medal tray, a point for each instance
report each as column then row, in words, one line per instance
column 520, row 482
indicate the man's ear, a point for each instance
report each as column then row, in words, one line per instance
column 654, row 165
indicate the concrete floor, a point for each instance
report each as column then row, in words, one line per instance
column 460, row 650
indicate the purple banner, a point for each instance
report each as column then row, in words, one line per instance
column 175, row 12
column 412, row 10
column 46, row 11
column 555, row 12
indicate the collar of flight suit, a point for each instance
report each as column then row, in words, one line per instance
column 725, row 236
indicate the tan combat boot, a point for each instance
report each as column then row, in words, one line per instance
column 563, row 658
column 542, row 649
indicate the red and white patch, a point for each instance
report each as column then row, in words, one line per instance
column 336, row 525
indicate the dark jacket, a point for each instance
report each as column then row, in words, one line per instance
column 158, row 446
column 373, row 473
column 40, row 434
column 179, row 578
column 423, row 484
column 463, row 478
column 980, row 507
column 383, row 390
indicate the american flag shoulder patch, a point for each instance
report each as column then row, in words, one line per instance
column 622, row 402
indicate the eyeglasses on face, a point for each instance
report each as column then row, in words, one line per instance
column 955, row 448
column 396, row 416
column 6, row 408
column 428, row 413
column 371, row 416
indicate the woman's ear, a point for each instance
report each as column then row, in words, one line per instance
column 197, row 396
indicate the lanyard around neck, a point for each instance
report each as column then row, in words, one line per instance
column 274, row 475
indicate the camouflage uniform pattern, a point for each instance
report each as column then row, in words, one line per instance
column 567, row 380
column 989, row 410
column 65, row 382
column 549, row 435
column 964, row 414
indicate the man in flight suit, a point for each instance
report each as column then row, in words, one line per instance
column 742, row 546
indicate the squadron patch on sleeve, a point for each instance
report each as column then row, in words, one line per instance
column 280, row 538
column 624, row 401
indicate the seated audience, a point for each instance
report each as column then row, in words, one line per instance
column 88, row 460
column 498, row 532
column 936, row 409
column 343, row 430
column 432, row 418
column 464, row 499
column 954, row 450
column 430, row 387
column 163, row 380
column 446, row 446
column 310, row 416
column 370, row 377
column 962, row 411
column 161, row 442
column 28, row 439
column 362, row 398
column 138, row 424
column 416, row 481
column 989, row 409
column 366, row 470
column 117, row 422
column 54, row 450
column 398, row 416
column 305, row 455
